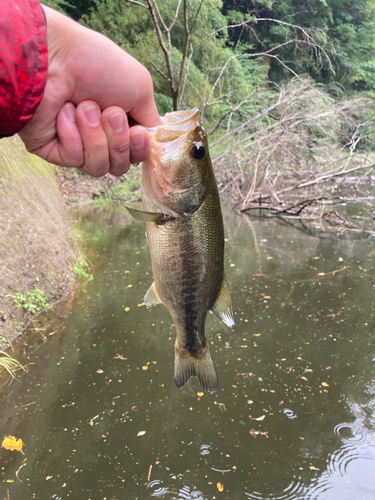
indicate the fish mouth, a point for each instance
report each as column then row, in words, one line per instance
column 174, row 125
column 168, row 142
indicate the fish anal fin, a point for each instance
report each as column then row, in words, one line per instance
column 223, row 305
column 200, row 366
column 148, row 216
column 152, row 298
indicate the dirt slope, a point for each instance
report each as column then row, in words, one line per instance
column 36, row 248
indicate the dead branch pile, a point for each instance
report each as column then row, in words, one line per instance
column 304, row 140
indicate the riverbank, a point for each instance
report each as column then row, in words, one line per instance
column 37, row 244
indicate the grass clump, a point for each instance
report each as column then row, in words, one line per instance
column 32, row 302
column 81, row 268
column 9, row 364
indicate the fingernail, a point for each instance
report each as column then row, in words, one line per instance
column 116, row 122
column 137, row 139
column 69, row 111
column 92, row 114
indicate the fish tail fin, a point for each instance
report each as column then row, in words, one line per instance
column 201, row 366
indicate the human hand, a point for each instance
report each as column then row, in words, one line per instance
column 92, row 86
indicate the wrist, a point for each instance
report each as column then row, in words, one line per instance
column 62, row 33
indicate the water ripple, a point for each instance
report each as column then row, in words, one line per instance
column 293, row 491
column 341, row 459
column 350, row 433
column 273, row 482
column 350, row 470
column 289, row 413
column 184, row 493
column 159, row 491
column 205, row 449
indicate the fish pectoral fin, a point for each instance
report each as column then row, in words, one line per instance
column 223, row 305
column 148, row 216
column 152, row 298
column 202, row 367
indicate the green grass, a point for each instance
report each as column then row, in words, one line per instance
column 32, row 302
column 9, row 364
column 81, row 267
column 128, row 188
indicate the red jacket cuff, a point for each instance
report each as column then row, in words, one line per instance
column 23, row 62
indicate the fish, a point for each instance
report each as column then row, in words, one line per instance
column 185, row 234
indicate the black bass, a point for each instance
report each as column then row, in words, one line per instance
column 185, row 233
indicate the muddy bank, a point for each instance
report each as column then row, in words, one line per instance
column 36, row 245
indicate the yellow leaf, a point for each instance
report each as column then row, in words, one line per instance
column 145, row 367
column 324, row 384
column 220, row 486
column 11, row 443
column 267, row 297
column 200, row 394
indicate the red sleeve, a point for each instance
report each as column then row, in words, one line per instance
column 23, row 62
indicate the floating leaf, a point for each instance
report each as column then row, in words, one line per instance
column 260, row 418
column 127, row 308
column 99, row 371
column 267, row 297
column 200, row 394
column 11, row 443
column 141, row 433
column 145, row 367
column 325, row 384
column 220, row 486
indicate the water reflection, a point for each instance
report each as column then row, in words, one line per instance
column 294, row 417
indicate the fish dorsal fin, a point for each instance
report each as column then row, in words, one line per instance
column 152, row 298
column 223, row 305
column 148, row 216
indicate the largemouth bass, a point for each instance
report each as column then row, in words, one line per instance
column 184, row 227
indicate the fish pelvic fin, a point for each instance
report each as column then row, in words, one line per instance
column 223, row 305
column 200, row 366
column 152, row 298
column 148, row 216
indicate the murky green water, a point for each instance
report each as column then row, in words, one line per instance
column 294, row 417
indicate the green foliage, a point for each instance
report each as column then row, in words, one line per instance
column 32, row 302
column 131, row 27
column 81, row 268
column 344, row 34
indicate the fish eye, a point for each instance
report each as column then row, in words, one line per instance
column 197, row 151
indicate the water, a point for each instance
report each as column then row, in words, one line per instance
column 293, row 419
